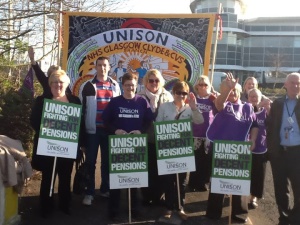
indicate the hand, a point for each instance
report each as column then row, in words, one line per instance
column 228, row 84
column 135, row 132
column 31, row 54
column 192, row 101
column 120, row 131
column 266, row 103
column 252, row 147
column 83, row 149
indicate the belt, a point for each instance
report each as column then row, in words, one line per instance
column 287, row 148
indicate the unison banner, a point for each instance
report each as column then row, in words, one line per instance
column 128, row 161
column 59, row 132
column 174, row 147
column 231, row 168
column 177, row 45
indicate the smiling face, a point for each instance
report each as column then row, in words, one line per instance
column 180, row 92
column 102, row 68
column 58, row 81
column 250, row 83
column 129, row 87
column 292, row 85
column 254, row 97
column 153, row 83
column 129, row 84
column 203, row 87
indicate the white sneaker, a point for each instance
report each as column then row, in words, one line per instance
column 87, row 200
column 104, row 194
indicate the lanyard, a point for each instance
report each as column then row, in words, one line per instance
column 287, row 108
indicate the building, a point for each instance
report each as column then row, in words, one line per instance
column 266, row 47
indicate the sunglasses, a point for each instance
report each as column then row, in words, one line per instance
column 151, row 81
column 203, row 85
column 57, row 82
column 182, row 93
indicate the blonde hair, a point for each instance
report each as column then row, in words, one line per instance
column 204, row 79
column 157, row 74
column 58, row 74
column 249, row 78
column 52, row 69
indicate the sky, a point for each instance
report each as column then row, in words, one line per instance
column 255, row 8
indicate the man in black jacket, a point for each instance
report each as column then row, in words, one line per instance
column 283, row 141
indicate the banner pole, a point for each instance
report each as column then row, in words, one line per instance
column 59, row 33
column 53, row 174
column 178, row 191
column 215, row 45
column 230, row 209
column 129, row 205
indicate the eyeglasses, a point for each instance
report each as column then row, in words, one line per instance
column 151, row 81
column 182, row 93
column 129, row 85
column 203, row 85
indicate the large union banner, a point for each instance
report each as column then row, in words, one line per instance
column 231, row 167
column 177, row 45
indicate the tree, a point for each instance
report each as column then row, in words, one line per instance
column 276, row 62
column 26, row 22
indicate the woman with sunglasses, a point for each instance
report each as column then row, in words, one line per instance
column 178, row 110
column 155, row 93
column 199, row 179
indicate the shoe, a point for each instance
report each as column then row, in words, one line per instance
column 239, row 219
column 167, row 214
column 253, row 202
column 182, row 215
column 87, row 200
column 104, row 194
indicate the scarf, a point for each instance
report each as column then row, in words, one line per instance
column 153, row 97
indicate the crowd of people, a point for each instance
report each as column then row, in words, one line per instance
column 236, row 114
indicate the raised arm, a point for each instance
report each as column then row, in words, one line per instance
column 40, row 75
column 226, row 87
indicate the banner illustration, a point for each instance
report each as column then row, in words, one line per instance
column 177, row 45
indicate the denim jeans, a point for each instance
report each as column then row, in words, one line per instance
column 93, row 142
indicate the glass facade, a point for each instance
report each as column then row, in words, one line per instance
column 253, row 46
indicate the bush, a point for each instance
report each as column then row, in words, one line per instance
column 15, row 109
column 273, row 92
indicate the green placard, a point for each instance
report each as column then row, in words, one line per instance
column 232, row 160
column 128, row 153
column 60, row 121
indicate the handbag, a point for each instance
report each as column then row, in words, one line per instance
column 81, row 174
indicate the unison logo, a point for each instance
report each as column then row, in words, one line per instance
column 56, row 147
column 176, row 165
column 229, row 186
column 128, row 180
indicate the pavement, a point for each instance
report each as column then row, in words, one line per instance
column 96, row 214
